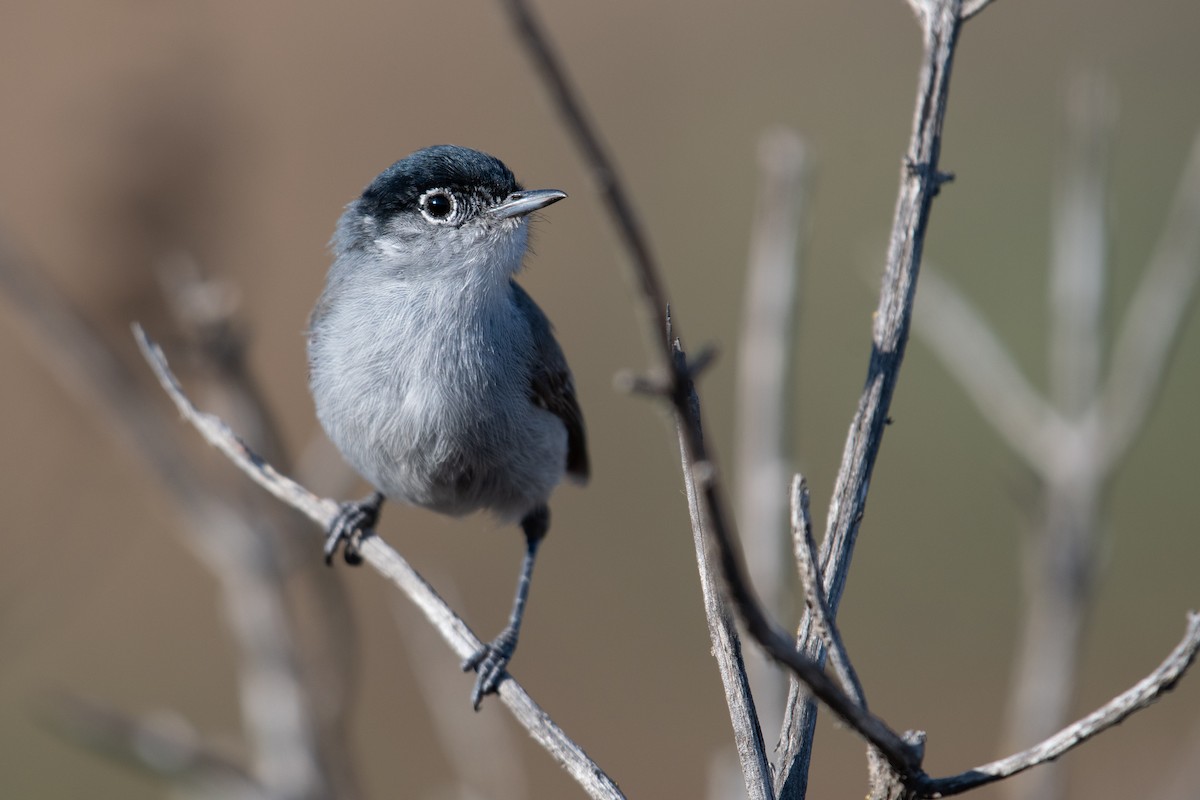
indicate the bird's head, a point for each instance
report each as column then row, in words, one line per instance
column 446, row 213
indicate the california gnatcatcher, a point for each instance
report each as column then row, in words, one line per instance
column 437, row 376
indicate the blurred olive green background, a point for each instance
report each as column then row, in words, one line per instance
column 263, row 119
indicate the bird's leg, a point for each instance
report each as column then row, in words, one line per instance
column 348, row 526
column 490, row 661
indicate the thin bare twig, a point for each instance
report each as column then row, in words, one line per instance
column 626, row 220
column 205, row 307
column 814, row 593
column 1114, row 712
column 698, row 465
column 392, row 566
column 479, row 747
column 700, row 476
column 919, row 184
column 675, row 371
column 727, row 650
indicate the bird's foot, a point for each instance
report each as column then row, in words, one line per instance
column 490, row 663
column 352, row 521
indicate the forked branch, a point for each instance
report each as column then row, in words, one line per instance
column 920, row 182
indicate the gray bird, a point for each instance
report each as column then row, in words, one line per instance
column 434, row 373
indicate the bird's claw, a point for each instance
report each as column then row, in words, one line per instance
column 352, row 520
column 490, row 663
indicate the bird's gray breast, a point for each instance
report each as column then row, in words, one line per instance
column 426, row 394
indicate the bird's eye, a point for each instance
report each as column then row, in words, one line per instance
column 438, row 205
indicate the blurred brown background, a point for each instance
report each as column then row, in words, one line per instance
column 237, row 131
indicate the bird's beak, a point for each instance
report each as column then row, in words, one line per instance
column 518, row 204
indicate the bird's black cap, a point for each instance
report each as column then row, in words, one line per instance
column 444, row 166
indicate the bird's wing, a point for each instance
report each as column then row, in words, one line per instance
column 551, row 386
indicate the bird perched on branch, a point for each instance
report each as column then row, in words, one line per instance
column 434, row 373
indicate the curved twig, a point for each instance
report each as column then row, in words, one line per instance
column 392, row 566
column 1114, row 712
column 814, row 593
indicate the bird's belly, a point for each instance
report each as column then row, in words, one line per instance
column 417, row 444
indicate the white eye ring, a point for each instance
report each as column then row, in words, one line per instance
column 439, row 206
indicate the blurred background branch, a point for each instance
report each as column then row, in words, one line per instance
column 765, row 375
column 239, row 539
column 1073, row 440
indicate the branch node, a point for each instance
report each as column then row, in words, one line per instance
column 926, row 171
